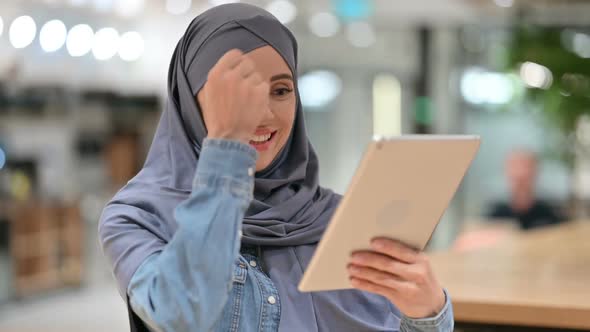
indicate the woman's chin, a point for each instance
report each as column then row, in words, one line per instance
column 262, row 163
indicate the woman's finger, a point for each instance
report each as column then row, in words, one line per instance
column 229, row 60
column 260, row 94
column 393, row 282
column 368, row 286
column 246, row 68
column 383, row 263
column 255, row 79
column 395, row 249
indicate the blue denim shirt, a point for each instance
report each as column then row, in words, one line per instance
column 204, row 280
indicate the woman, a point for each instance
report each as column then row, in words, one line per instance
column 216, row 230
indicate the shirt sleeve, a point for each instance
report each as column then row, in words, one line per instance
column 186, row 285
column 443, row 322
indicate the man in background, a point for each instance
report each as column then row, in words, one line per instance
column 524, row 207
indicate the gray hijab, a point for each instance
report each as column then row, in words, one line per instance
column 290, row 210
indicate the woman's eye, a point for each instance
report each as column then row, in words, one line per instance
column 282, row 91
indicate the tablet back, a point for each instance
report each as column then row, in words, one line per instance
column 400, row 190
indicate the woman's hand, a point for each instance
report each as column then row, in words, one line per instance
column 399, row 273
column 234, row 100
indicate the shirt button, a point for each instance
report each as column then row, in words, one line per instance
column 253, row 263
column 272, row 300
column 251, row 171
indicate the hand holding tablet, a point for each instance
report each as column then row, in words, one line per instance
column 400, row 191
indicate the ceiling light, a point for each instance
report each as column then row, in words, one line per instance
column 79, row 40
column 22, row 31
column 131, row 46
column 106, row 44
column 53, row 35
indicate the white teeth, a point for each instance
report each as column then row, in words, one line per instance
column 261, row 138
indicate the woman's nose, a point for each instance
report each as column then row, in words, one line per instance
column 268, row 115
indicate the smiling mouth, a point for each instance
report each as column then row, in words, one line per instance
column 262, row 139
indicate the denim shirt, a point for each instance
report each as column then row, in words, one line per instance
column 204, row 280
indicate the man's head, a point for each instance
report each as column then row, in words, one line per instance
column 521, row 171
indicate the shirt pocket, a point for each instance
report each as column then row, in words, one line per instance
column 233, row 308
column 240, row 271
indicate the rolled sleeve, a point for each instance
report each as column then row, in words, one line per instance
column 443, row 322
column 227, row 165
column 185, row 287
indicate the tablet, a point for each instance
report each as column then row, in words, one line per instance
column 400, row 190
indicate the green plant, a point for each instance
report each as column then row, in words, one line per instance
column 567, row 98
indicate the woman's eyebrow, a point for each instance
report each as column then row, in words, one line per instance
column 281, row 76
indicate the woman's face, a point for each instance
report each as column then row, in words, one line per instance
column 274, row 130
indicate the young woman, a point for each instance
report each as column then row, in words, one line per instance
column 216, row 230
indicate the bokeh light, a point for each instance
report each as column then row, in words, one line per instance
column 479, row 86
column 360, row 34
column 284, row 10
column 324, row 24
column 131, row 46
column 79, row 41
column 106, row 44
column 319, row 88
column 535, row 75
column 22, row 31
column 53, row 35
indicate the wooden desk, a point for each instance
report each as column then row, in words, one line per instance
column 540, row 278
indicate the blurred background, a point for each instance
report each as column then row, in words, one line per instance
column 82, row 83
